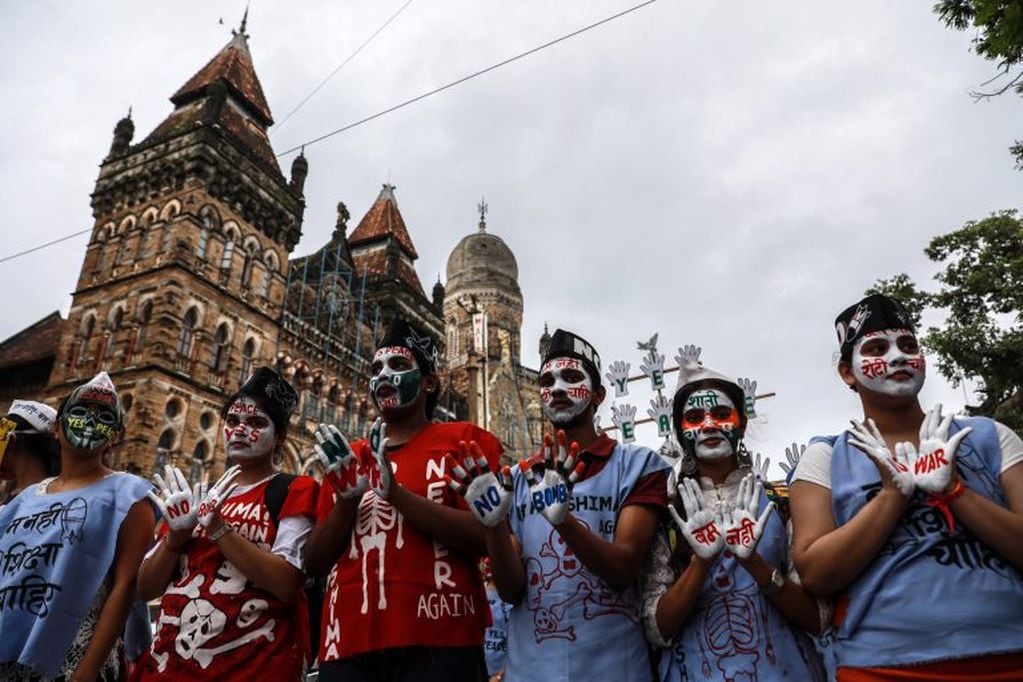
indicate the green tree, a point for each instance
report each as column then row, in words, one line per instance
column 998, row 37
column 981, row 291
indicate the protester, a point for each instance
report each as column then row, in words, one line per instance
column 913, row 521
column 28, row 449
column 71, row 547
column 569, row 555
column 229, row 564
column 405, row 600
column 721, row 600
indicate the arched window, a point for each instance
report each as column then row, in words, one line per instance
column 166, row 441
column 187, row 336
column 248, row 352
column 225, row 260
column 145, row 315
column 221, row 345
column 204, row 240
column 115, row 326
column 269, row 267
column 88, row 327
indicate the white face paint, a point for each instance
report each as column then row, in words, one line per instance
column 889, row 362
column 565, row 389
column 710, row 424
column 396, row 377
column 248, row 430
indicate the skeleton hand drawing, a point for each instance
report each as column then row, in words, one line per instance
column 689, row 357
column 552, row 494
column 177, row 502
column 743, row 529
column 488, row 495
column 624, row 417
column 749, row 392
column 335, row 454
column 934, row 467
column 212, row 498
column 793, row 454
column 653, row 367
column 760, row 467
column 893, row 468
column 660, row 412
column 618, row 375
column 700, row 528
column 382, row 480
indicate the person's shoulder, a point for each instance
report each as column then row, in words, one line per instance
column 459, row 431
column 302, row 483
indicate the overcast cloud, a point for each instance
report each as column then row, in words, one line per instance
column 728, row 174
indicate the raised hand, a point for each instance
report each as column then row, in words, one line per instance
column 213, row 498
column 335, row 455
column 618, row 375
column 552, row 494
column 178, row 503
column 894, row 469
column 700, row 527
column 749, row 392
column 660, row 412
column 743, row 529
column 624, row 417
column 381, row 480
column 689, row 357
column 488, row 495
column 934, row 467
column 653, row 367
column 760, row 467
column 793, row 454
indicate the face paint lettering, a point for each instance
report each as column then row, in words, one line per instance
column 396, row 378
column 565, row 389
column 248, row 430
column 710, row 425
column 889, row 362
column 702, row 399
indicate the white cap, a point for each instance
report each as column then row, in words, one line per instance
column 38, row 415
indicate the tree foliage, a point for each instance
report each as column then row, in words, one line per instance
column 981, row 291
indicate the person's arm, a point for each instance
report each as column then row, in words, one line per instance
column 331, row 536
column 677, row 604
column 453, row 528
column 999, row 528
column 133, row 540
column 271, row 572
column 506, row 563
column 793, row 600
column 159, row 568
column 618, row 563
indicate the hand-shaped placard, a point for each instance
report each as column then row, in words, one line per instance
column 700, row 528
column 743, row 529
column 618, row 375
column 488, row 495
column 934, row 467
column 793, row 454
column 688, row 357
column 381, row 478
column 213, row 498
column 177, row 501
column 552, row 494
column 653, row 367
column 624, row 417
column 749, row 392
column 336, row 456
column 760, row 467
column 660, row 412
column 868, row 438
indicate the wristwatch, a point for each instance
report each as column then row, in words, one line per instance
column 775, row 584
column 220, row 532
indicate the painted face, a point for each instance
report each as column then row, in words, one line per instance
column 396, row 377
column 710, row 424
column 248, row 430
column 889, row 362
column 565, row 389
column 88, row 425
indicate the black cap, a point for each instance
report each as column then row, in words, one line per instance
column 565, row 344
column 407, row 335
column 874, row 313
column 271, row 390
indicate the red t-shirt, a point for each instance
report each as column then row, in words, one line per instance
column 214, row 623
column 394, row 586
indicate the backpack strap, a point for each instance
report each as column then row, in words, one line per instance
column 275, row 493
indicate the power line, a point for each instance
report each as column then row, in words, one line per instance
column 43, row 246
column 469, row 77
column 342, row 65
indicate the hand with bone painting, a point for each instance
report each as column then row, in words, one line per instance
column 488, row 495
column 381, row 479
column 178, row 503
column 552, row 494
column 213, row 498
column 702, row 527
column 618, row 375
column 335, row 456
column 934, row 467
column 653, row 367
column 894, row 469
column 743, row 529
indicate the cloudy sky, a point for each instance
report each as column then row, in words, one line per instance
column 726, row 174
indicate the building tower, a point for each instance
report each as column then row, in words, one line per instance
column 183, row 280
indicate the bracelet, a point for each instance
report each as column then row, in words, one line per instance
column 220, row 532
column 943, row 501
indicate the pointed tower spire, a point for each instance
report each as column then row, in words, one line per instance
column 241, row 29
column 483, row 209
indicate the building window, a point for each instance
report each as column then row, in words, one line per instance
column 248, row 351
column 221, row 344
column 225, row 260
column 115, row 326
column 145, row 314
column 264, row 282
column 204, row 240
column 172, row 409
column 187, row 336
column 87, row 328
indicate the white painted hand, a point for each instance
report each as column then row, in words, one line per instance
column 894, row 469
column 653, row 367
column 213, row 498
column 178, row 503
column 700, row 527
column 488, row 495
column 689, row 357
column 793, row 454
column 552, row 494
column 336, row 456
column 660, row 412
column 743, row 529
column 749, row 392
column 934, row 467
column 618, row 375
column 624, row 417
column 381, row 479
column 760, row 467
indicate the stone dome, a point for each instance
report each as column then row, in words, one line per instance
column 482, row 259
